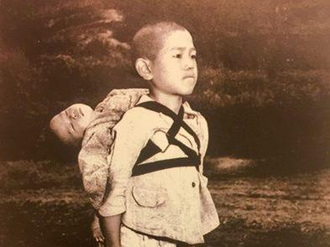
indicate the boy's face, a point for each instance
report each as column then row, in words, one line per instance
column 174, row 69
column 70, row 124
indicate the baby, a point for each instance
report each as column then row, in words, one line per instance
column 79, row 124
column 71, row 123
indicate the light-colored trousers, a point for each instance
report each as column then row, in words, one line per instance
column 131, row 238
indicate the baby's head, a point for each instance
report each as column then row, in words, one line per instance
column 70, row 124
column 165, row 55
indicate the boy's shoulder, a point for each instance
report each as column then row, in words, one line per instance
column 144, row 120
column 138, row 113
column 145, row 116
column 139, row 117
column 191, row 114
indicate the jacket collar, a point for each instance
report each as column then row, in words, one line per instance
column 187, row 109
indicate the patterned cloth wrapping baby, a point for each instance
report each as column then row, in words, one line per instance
column 97, row 140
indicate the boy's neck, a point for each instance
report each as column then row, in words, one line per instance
column 173, row 102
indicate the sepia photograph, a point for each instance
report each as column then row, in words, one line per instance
column 148, row 123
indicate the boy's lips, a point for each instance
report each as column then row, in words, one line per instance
column 189, row 76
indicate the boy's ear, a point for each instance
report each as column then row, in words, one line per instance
column 142, row 66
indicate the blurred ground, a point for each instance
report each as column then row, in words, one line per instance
column 282, row 210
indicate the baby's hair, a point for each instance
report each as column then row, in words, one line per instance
column 146, row 41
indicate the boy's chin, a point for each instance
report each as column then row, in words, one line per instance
column 186, row 92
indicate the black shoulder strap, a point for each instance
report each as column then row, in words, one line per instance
column 155, row 106
column 151, row 149
column 165, row 164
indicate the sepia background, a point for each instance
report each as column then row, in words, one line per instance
column 264, row 87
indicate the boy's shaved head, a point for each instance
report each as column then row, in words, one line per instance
column 148, row 40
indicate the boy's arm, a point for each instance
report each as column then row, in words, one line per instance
column 131, row 135
column 111, row 228
column 204, row 139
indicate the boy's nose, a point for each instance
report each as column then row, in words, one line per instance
column 189, row 63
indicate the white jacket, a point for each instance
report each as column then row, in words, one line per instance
column 173, row 203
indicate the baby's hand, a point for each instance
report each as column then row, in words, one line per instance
column 99, row 238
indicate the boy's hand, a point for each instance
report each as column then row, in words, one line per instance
column 99, row 238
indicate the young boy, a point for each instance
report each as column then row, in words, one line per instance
column 159, row 196
column 79, row 124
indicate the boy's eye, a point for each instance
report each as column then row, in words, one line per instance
column 177, row 55
column 193, row 56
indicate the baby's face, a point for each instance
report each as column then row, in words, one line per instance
column 70, row 124
column 174, row 69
